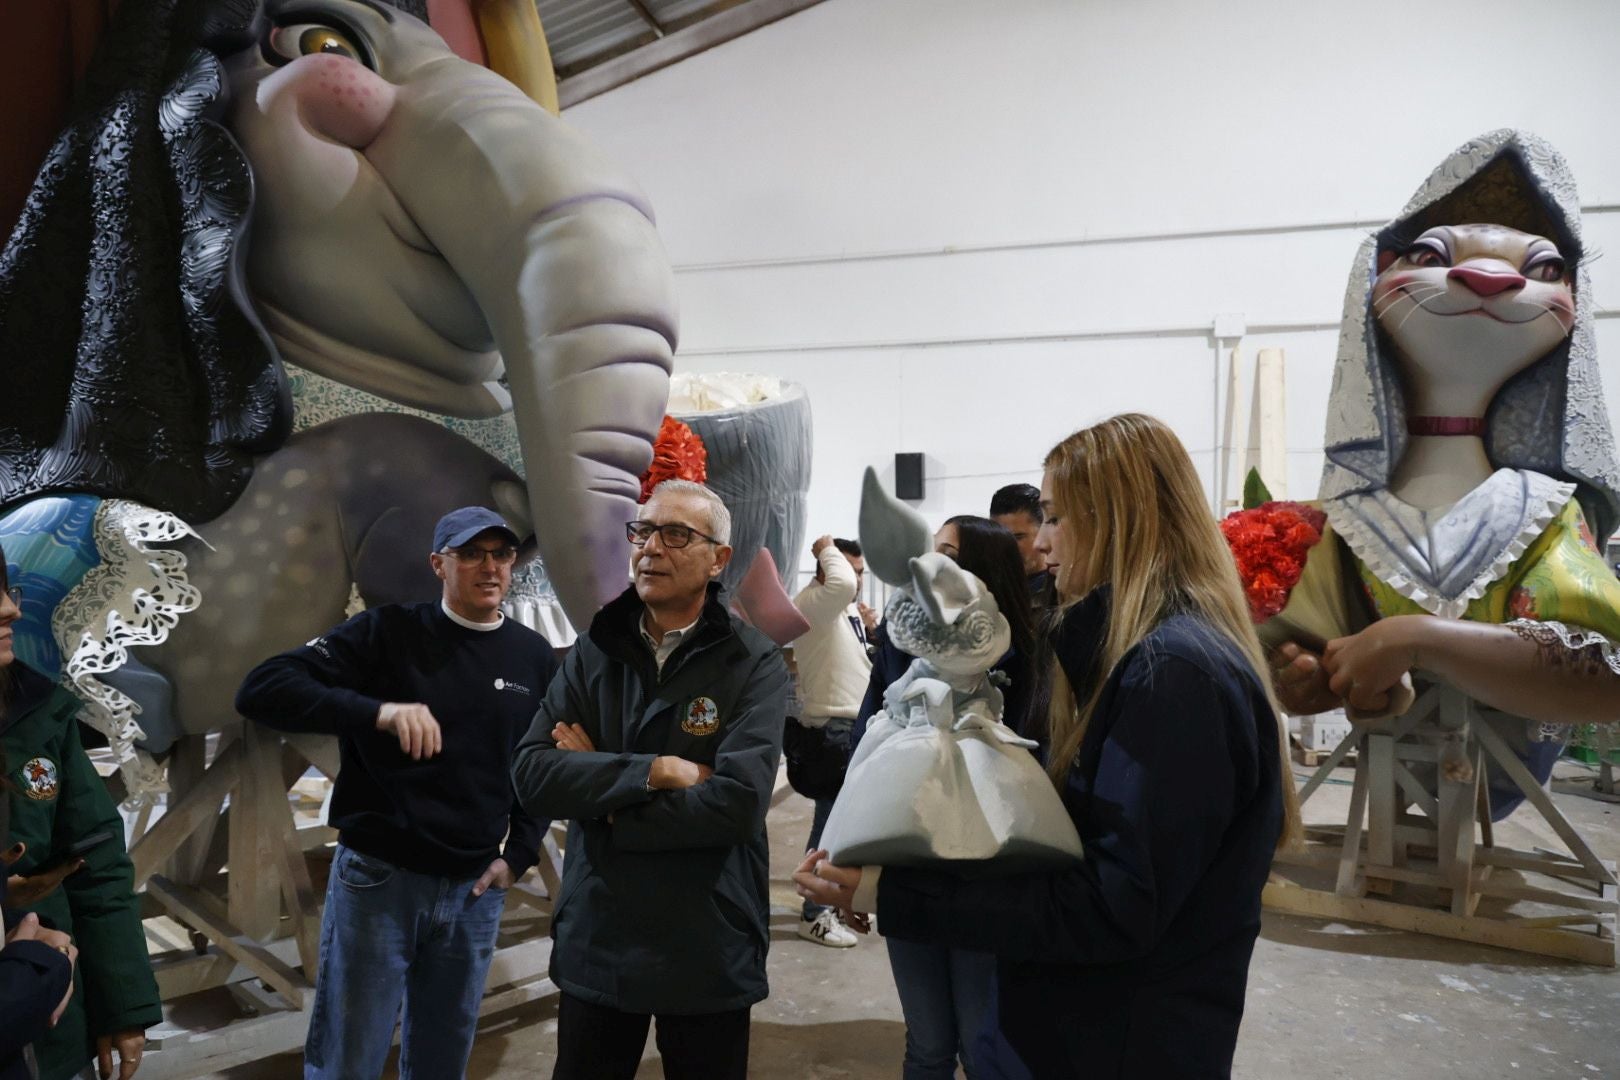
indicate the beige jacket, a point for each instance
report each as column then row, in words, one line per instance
column 832, row 662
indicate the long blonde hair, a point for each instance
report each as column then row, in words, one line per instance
column 1128, row 491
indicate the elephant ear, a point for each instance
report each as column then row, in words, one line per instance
column 130, row 360
column 942, row 587
column 892, row 533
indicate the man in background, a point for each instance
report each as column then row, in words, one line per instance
column 1017, row 508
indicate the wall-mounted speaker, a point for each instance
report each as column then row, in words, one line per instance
column 908, row 476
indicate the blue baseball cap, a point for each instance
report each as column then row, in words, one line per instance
column 459, row 526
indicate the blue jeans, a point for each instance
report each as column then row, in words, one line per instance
column 390, row 936
column 838, row 730
column 945, row 996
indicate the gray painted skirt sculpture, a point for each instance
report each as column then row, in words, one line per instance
column 938, row 776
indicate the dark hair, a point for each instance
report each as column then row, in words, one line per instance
column 1015, row 497
column 849, row 547
column 988, row 551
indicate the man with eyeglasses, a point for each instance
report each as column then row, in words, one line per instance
column 428, row 702
column 659, row 742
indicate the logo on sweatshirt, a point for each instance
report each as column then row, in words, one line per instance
column 508, row 684
column 702, row 717
column 319, row 645
column 40, row 780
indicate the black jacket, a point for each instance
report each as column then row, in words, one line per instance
column 1134, row 963
column 663, row 909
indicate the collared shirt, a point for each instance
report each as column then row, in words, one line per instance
column 661, row 650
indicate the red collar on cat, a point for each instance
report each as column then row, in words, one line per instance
column 1445, row 425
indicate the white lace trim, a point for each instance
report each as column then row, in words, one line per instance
column 1575, row 639
column 134, row 597
column 1385, row 563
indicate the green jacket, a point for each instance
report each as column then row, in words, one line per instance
column 57, row 798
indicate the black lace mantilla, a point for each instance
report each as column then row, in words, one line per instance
column 132, row 363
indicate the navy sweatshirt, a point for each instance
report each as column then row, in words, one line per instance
column 444, row 815
column 1134, row 963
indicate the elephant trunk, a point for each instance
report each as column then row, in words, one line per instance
column 559, row 250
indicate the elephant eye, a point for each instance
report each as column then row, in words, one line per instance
column 289, row 42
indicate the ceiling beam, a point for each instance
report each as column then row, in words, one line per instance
column 647, row 16
column 731, row 23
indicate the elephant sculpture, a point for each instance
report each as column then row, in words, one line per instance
column 296, row 278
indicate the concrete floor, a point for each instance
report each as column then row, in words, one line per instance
column 1325, row 999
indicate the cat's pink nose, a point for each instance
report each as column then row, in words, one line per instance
column 1484, row 282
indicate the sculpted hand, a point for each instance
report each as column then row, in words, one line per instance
column 499, row 875
column 571, row 737
column 820, row 882
column 28, row 891
column 131, row 1045
column 672, row 773
column 1300, row 681
column 414, row 726
column 1364, row 667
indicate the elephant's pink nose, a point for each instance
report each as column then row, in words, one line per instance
column 342, row 99
column 1485, row 282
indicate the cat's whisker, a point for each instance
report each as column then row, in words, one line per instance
column 1417, row 305
column 1417, row 294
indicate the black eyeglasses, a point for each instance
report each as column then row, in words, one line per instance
column 672, row 534
column 15, row 592
column 473, row 556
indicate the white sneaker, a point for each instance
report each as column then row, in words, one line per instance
column 827, row 929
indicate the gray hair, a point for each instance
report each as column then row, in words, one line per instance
column 719, row 516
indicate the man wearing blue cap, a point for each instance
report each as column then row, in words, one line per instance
column 428, row 702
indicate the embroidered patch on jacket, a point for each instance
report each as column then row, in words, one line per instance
column 40, row 780
column 702, row 717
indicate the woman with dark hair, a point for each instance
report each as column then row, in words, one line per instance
column 56, row 802
column 1167, row 750
column 945, row 991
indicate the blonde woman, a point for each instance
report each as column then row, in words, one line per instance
column 1167, row 750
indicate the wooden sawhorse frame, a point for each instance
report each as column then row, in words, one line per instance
column 1438, row 870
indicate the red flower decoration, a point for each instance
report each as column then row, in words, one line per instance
column 1270, row 544
column 678, row 454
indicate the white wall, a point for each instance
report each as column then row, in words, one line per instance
column 962, row 223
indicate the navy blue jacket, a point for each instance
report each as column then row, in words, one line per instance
column 1134, row 963
column 33, row 976
column 444, row 815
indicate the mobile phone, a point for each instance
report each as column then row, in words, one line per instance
column 77, row 849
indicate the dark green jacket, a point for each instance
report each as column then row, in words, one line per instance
column 666, row 908
column 56, row 799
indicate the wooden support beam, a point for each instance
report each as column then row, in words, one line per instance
column 194, row 908
column 1585, row 947
column 1508, row 761
column 195, row 811
column 1350, row 881
column 255, row 836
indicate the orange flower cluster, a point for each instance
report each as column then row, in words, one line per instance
column 678, row 454
column 1270, row 544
